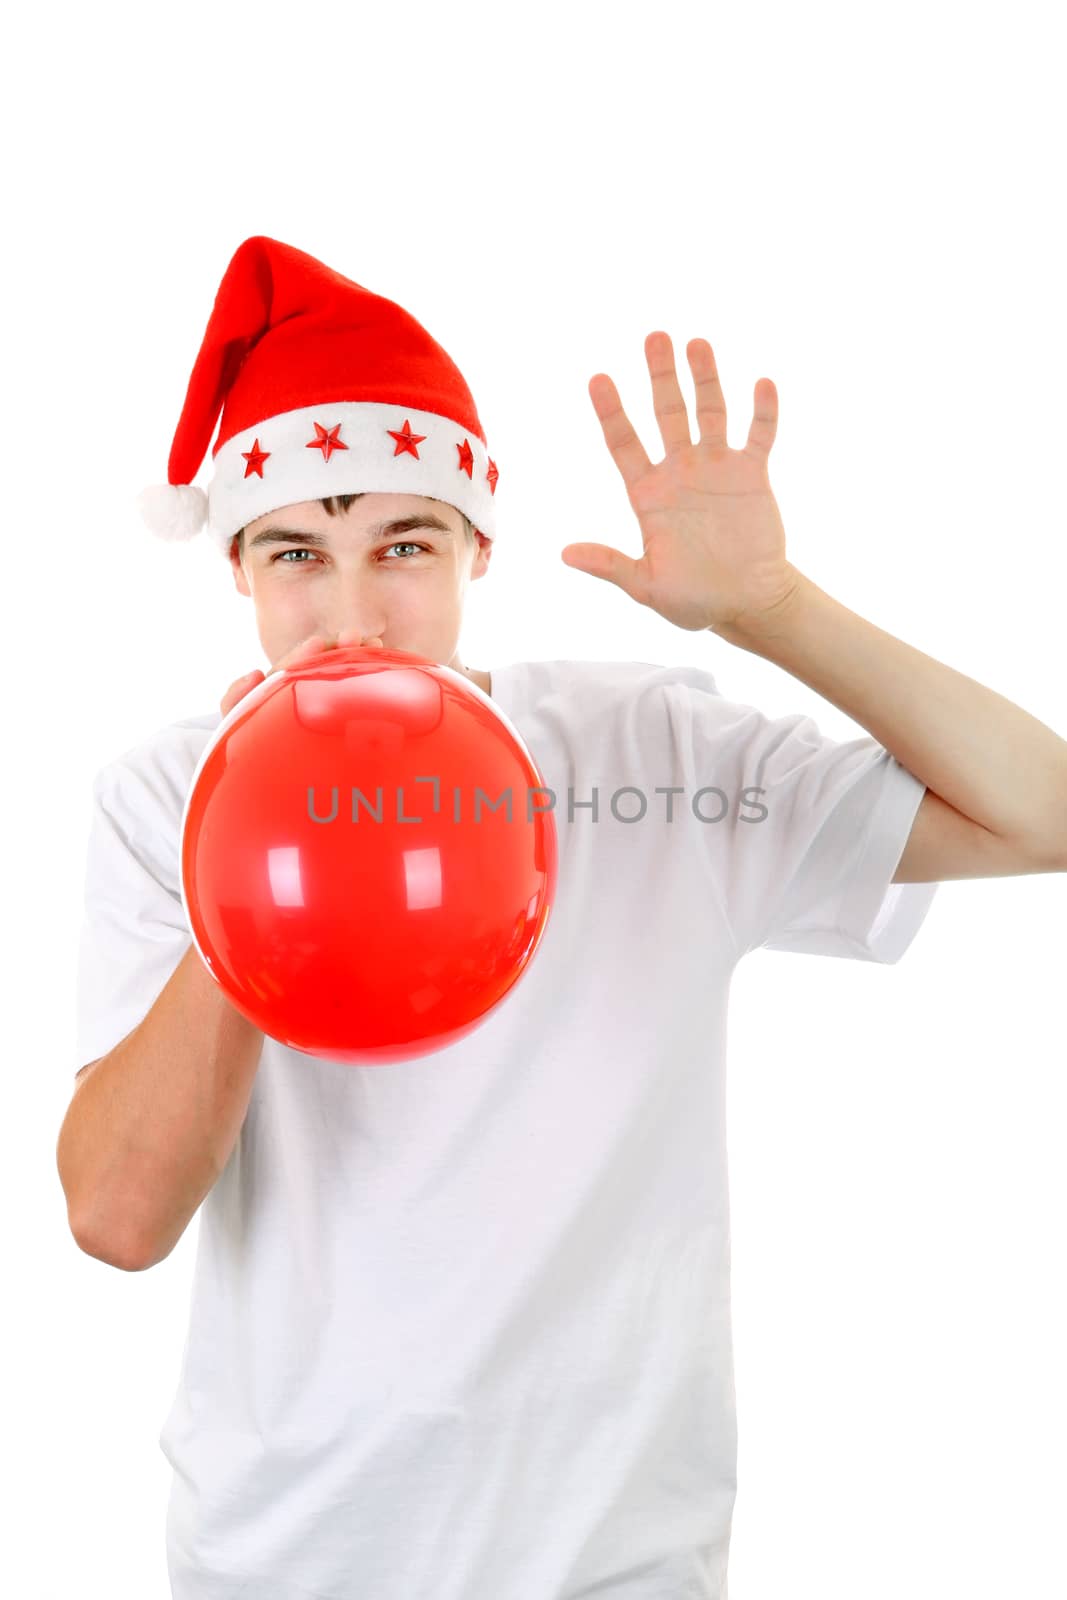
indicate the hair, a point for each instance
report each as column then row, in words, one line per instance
column 335, row 504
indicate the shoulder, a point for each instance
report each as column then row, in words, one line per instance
column 676, row 708
column 155, row 773
column 670, row 706
column 602, row 685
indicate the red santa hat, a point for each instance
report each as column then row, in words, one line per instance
column 324, row 388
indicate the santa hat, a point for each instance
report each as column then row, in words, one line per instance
column 324, row 388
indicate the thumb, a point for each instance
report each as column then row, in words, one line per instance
column 601, row 561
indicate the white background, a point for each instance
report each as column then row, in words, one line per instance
column 864, row 205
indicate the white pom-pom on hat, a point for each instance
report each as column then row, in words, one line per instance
column 173, row 510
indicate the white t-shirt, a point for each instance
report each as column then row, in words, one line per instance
column 460, row 1327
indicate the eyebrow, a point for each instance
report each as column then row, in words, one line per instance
column 379, row 530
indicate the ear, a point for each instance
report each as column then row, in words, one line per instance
column 482, row 555
column 239, row 578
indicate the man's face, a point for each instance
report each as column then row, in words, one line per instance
column 352, row 571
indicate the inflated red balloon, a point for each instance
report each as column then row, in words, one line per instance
column 346, row 878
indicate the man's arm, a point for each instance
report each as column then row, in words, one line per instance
column 714, row 557
column 151, row 1125
column 997, row 775
column 943, row 844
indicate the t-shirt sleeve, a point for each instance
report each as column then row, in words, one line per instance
column 134, row 930
column 812, row 832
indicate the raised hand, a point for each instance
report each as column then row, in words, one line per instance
column 713, row 540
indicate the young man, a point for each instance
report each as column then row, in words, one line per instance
column 461, row 1327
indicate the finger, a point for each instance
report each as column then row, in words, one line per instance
column 764, row 419
column 667, row 398
column 351, row 636
column 311, row 646
column 237, row 691
column 626, row 448
column 711, row 403
column 601, row 561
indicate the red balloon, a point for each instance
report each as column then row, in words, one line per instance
column 347, row 880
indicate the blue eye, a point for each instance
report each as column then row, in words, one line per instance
column 303, row 551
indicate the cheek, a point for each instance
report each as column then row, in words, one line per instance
column 283, row 592
column 286, row 610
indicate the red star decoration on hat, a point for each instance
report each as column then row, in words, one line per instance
column 406, row 440
column 466, row 458
column 492, row 475
column 326, row 440
column 255, row 458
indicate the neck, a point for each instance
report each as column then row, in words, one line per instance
column 482, row 679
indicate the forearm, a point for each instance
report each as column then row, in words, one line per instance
column 981, row 753
column 151, row 1128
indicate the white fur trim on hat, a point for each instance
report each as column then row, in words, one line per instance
column 296, row 469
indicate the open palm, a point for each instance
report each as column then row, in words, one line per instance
column 714, row 543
